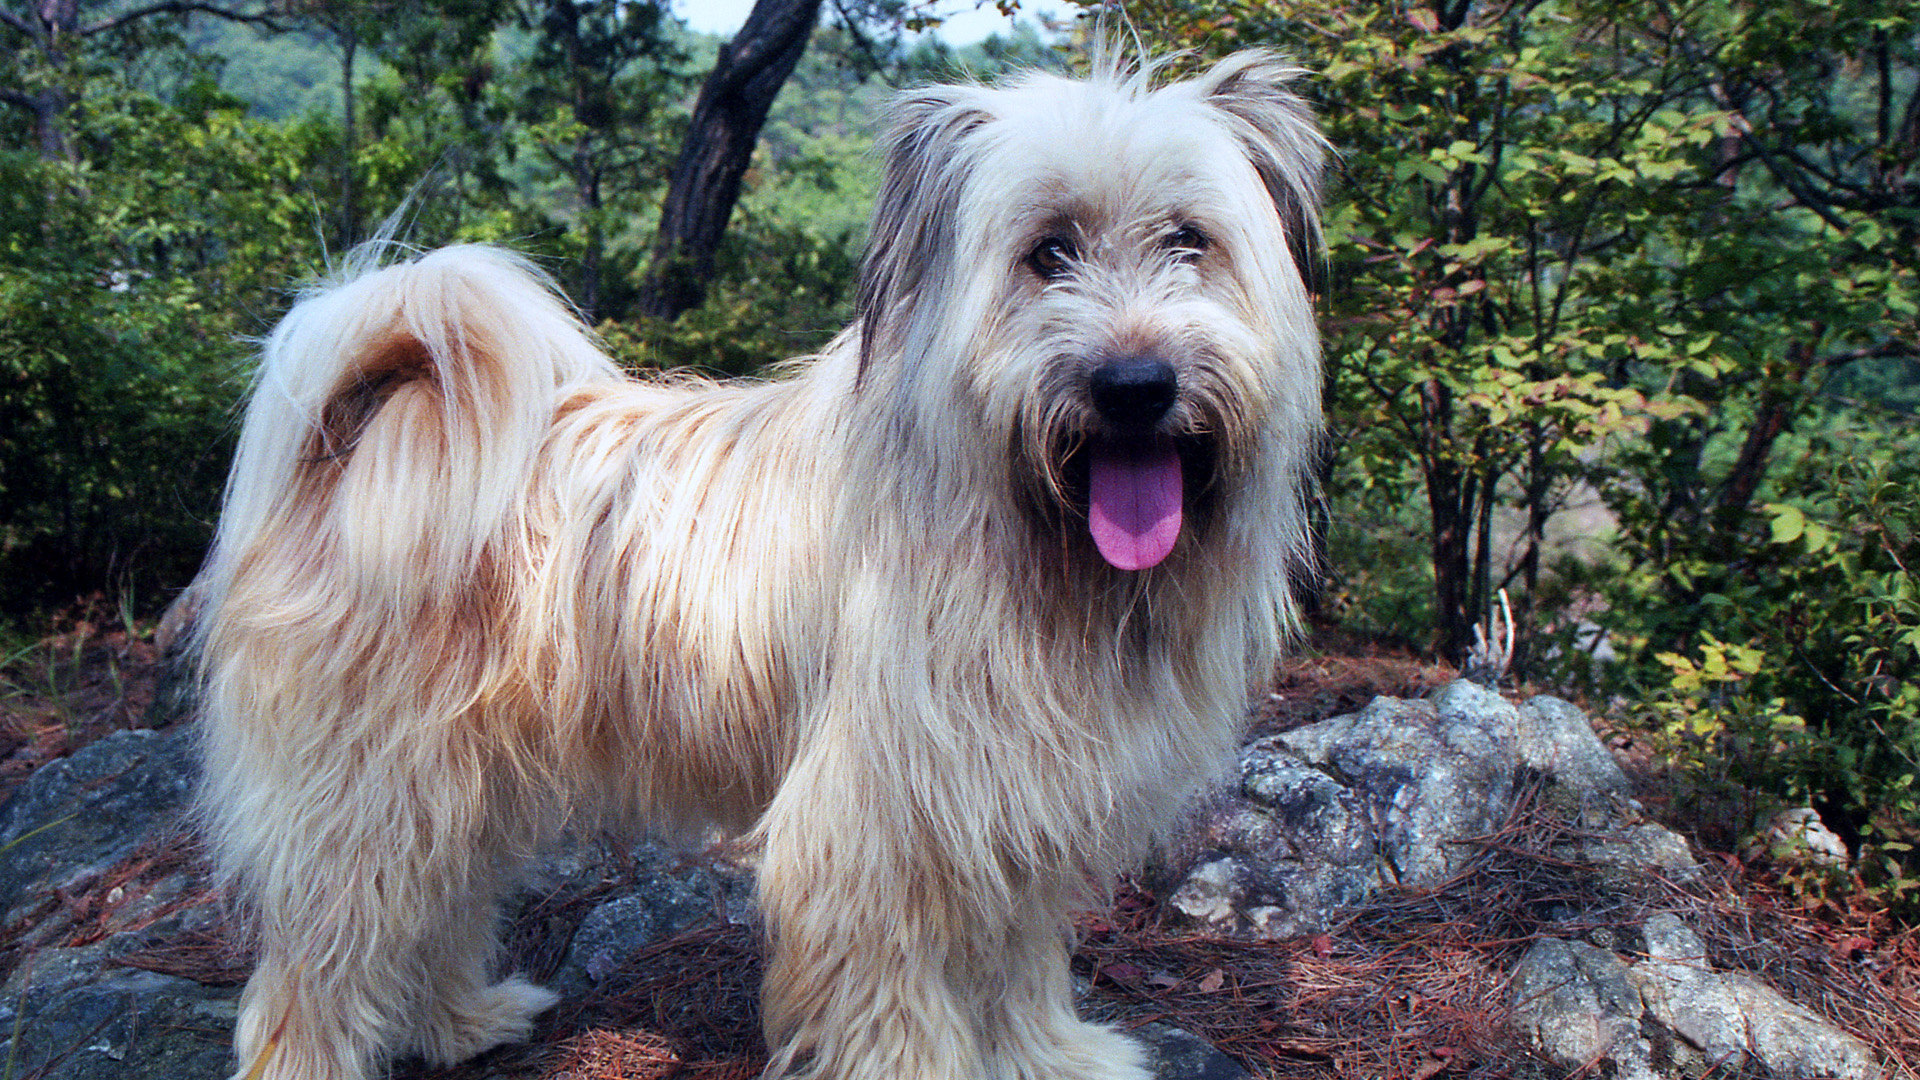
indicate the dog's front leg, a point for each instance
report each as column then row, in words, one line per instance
column 907, row 944
column 1034, row 1031
column 866, row 945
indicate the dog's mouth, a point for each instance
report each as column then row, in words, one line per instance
column 1138, row 493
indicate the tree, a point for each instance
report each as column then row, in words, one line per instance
column 51, row 42
column 132, row 267
column 593, row 101
column 1488, row 159
column 1804, row 265
column 350, row 24
column 705, row 183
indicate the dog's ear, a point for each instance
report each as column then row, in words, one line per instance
column 910, row 243
column 1277, row 128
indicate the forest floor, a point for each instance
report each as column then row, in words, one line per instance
column 1414, row 985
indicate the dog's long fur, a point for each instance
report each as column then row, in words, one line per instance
column 472, row 587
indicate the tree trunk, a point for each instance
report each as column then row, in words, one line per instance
column 1539, row 490
column 1449, row 501
column 1772, row 417
column 55, row 25
column 48, row 106
column 586, row 179
column 727, row 118
column 349, row 213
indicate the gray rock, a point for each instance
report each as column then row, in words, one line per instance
column 128, row 1024
column 1576, row 1004
column 1733, row 1018
column 1325, row 814
column 1797, row 837
column 79, row 815
column 1173, row 1054
column 70, row 1011
column 1429, row 772
column 1556, row 738
column 1640, row 847
column 610, row 934
column 1583, row 1007
column 1297, row 845
column 669, row 894
column 1213, row 893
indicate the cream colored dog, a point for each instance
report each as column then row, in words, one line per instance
column 949, row 622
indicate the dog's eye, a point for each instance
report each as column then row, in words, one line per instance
column 1188, row 243
column 1051, row 258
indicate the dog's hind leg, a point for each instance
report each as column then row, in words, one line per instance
column 317, row 1018
column 381, row 965
column 372, row 873
column 468, row 1013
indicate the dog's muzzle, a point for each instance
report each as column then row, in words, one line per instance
column 1135, row 485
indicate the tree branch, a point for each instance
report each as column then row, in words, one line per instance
column 860, row 39
column 1795, row 184
column 1886, row 351
column 182, row 7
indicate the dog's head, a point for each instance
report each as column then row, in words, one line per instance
column 1110, row 279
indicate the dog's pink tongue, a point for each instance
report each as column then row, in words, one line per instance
column 1133, row 505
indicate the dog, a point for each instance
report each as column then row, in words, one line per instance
column 947, row 623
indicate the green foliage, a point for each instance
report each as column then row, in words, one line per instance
column 129, row 275
column 1807, row 684
column 782, row 291
column 1575, row 250
column 595, row 133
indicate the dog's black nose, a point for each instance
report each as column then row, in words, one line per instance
column 1133, row 391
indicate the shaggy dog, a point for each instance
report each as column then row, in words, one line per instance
column 948, row 623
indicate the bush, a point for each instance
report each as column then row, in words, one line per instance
column 780, row 291
column 133, row 276
column 1802, row 671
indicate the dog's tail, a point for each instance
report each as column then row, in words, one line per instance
column 397, row 416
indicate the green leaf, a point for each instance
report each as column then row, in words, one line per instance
column 1789, row 524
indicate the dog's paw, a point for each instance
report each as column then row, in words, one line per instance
column 499, row 1014
column 1076, row 1051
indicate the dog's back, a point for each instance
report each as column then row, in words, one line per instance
column 672, row 572
column 494, row 527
